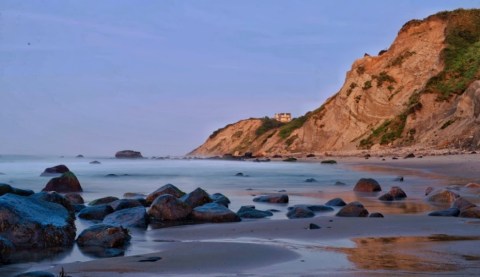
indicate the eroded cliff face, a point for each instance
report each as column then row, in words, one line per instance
column 382, row 104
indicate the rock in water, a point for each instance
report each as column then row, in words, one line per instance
column 68, row 182
column 213, row 212
column 168, row 207
column 132, row 217
column 300, row 212
column 196, row 198
column 128, row 154
column 103, row 201
column 220, row 199
column 104, row 235
column 251, row 212
column 336, row 202
column 367, row 185
column 395, row 193
column 125, row 204
column 166, row 189
column 353, row 209
column 447, row 212
column 98, row 212
column 55, row 170
column 74, row 198
column 442, row 196
column 30, row 223
column 272, row 198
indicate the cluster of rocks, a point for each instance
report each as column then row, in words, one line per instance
column 459, row 205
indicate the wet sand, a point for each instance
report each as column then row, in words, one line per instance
column 399, row 244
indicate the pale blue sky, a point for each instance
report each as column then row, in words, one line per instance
column 94, row 77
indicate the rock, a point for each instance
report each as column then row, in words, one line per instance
column 36, row 274
column 318, row 208
column 30, row 223
column 103, row 200
column 57, row 170
column 125, row 204
column 168, row 207
column 220, row 199
column 442, row 196
column 196, row 198
column 251, row 212
column 128, row 154
column 310, row 180
column 367, row 185
column 133, row 195
column 132, row 217
column 104, row 235
column 166, row 189
column 395, row 193
column 6, row 188
column 111, row 175
column 78, row 207
column 74, row 198
column 290, row 159
column 80, row 156
column 376, row 215
column 300, row 211
column 328, row 162
column 98, row 212
column 213, row 212
column 239, row 174
column 398, row 179
column 409, row 156
column 313, row 226
column 447, row 212
column 336, row 202
column 95, row 162
column 68, row 182
column 338, row 183
column 22, row 192
column 353, row 209
column 272, row 198
column 462, row 204
column 428, row 190
column 472, row 186
column 54, row 197
column 470, row 212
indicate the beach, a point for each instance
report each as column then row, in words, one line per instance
column 406, row 241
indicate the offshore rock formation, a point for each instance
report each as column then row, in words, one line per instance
column 423, row 91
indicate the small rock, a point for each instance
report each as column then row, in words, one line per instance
column 196, row 198
column 220, row 199
column 128, row 154
column 376, row 215
column 310, row 180
column 409, row 156
column 103, row 200
column 328, row 162
column 104, row 235
column 132, row 217
column 95, row 162
column 300, row 212
column 447, row 212
column 239, row 174
column 213, row 212
column 310, row 156
column 353, row 209
column 80, row 156
column 272, row 198
column 313, row 226
column 336, row 202
column 98, row 212
column 166, row 189
column 395, row 193
column 251, row 212
column 367, row 185
column 338, row 183
column 290, row 159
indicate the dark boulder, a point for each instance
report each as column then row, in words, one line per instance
column 336, row 202
column 213, row 212
column 30, row 223
column 328, row 162
column 98, row 212
column 57, row 170
column 251, row 212
column 291, row 159
column 196, row 198
column 353, row 209
column 128, row 154
column 220, row 199
column 79, row 156
column 367, row 185
column 6, row 188
column 166, row 189
column 103, row 201
column 313, row 226
column 104, row 235
column 338, row 183
column 125, row 204
column 168, row 207
column 470, row 212
column 74, row 198
column 409, row 156
column 442, row 196
column 68, row 182
column 447, row 212
column 239, row 174
column 376, row 215
column 300, row 211
column 132, row 217
column 310, row 180
column 272, row 198
column 395, row 193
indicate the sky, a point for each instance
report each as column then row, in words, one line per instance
column 94, row 77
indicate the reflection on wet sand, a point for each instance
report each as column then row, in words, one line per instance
column 435, row 253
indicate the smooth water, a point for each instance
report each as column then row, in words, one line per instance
column 146, row 175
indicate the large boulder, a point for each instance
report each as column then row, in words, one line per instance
column 299, row 211
column 196, row 198
column 166, row 189
column 98, row 212
column 132, row 217
column 128, row 154
column 125, row 204
column 168, row 207
column 30, row 223
column 395, row 193
column 214, row 212
column 353, row 209
column 442, row 196
column 367, row 185
column 272, row 198
column 251, row 212
column 68, row 182
column 55, row 170
column 104, row 235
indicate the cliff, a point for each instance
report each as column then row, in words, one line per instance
column 423, row 92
